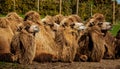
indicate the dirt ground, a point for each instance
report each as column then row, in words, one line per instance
column 104, row 64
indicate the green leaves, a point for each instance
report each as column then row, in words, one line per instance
column 51, row 7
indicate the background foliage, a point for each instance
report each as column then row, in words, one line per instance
column 51, row 7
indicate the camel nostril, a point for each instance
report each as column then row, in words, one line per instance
column 110, row 24
column 36, row 29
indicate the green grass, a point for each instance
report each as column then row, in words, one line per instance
column 2, row 15
column 7, row 65
column 21, row 15
column 115, row 28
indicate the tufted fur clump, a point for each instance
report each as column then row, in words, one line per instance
column 117, row 49
column 5, row 40
column 91, row 45
column 46, row 49
column 65, row 39
column 58, row 18
column 92, row 41
column 99, row 17
column 23, row 43
column 14, row 21
column 14, row 16
column 75, row 18
column 4, row 23
column 49, row 25
column 32, row 16
column 109, row 44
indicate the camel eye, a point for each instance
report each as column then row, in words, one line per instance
column 27, row 27
column 91, row 24
column 100, row 23
column 72, row 24
column 65, row 24
column 51, row 25
column 44, row 22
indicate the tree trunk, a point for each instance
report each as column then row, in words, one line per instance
column 60, row 7
column 77, row 7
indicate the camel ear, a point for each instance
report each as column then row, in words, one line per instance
column 91, row 24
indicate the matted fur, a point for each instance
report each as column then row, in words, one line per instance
column 110, row 45
column 32, row 16
column 48, row 20
column 49, row 49
column 98, row 45
column 95, row 19
column 70, row 20
column 4, row 23
column 99, row 20
column 67, row 43
column 23, row 45
column 117, row 49
column 118, row 35
column 58, row 18
column 46, row 49
column 76, row 18
column 49, row 25
column 14, row 20
column 14, row 16
column 66, row 22
column 91, row 45
column 5, row 39
column 99, row 17
column 65, row 39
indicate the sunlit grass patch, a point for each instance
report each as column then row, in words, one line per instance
column 115, row 28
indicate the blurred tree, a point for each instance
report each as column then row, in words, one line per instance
column 51, row 7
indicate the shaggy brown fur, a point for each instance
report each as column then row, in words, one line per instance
column 23, row 44
column 58, row 18
column 63, row 48
column 110, row 45
column 117, row 49
column 32, row 15
column 4, row 23
column 49, row 25
column 70, row 20
column 66, row 39
column 48, row 20
column 66, row 22
column 91, row 45
column 46, row 49
column 67, row 43
column 75, row 17
column 14, row 20
column 96, row 18
column 5, row 39
column 99, row 20
column 99, row 17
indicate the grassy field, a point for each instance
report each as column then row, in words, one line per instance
column 2, row 15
